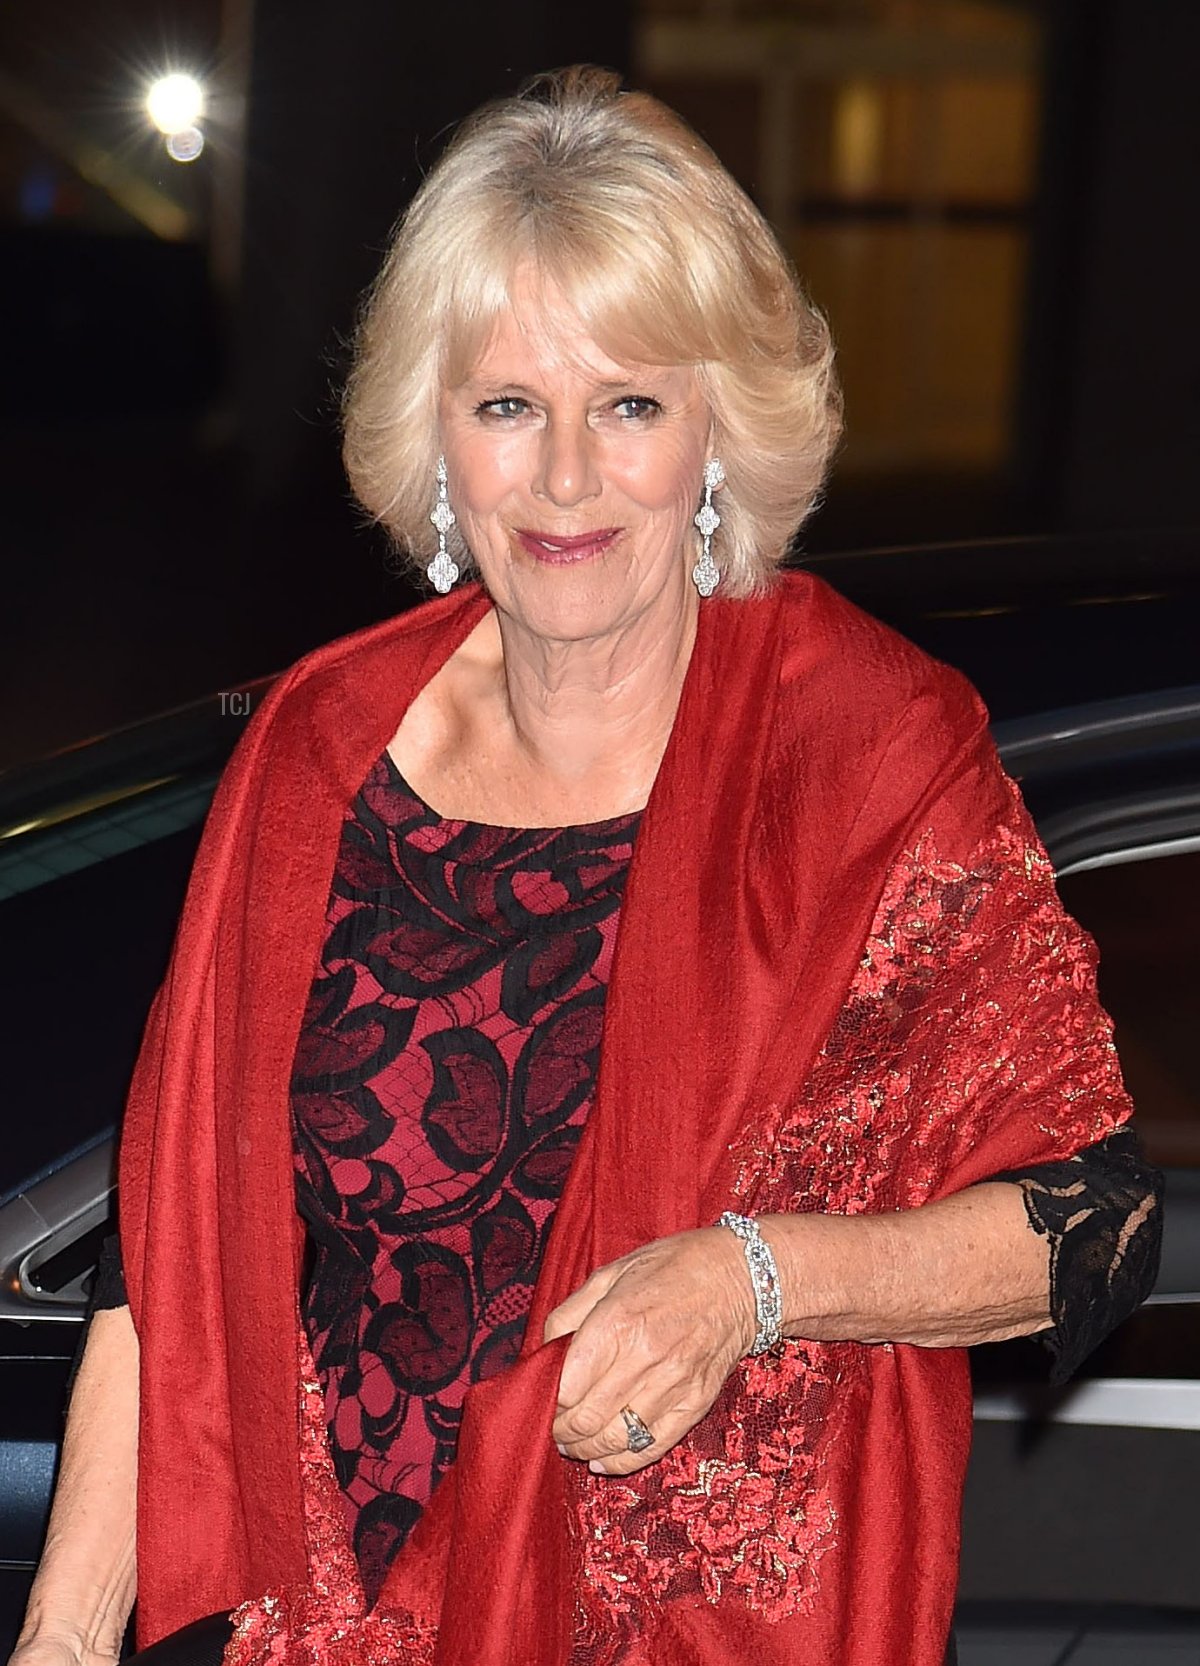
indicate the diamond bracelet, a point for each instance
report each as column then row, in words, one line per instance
column 764, row 1278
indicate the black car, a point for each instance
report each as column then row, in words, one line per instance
column 1080, row 1511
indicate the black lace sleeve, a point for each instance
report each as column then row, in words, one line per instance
column 108, row 1288
column 1102, row 1212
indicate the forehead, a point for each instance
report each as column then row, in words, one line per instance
column 539, row 337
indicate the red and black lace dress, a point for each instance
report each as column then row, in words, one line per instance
column 444, row 1072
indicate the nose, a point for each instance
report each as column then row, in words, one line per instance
column 566, row 467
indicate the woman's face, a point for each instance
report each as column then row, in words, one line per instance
column 574, row 477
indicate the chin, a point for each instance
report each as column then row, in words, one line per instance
column 571, row 606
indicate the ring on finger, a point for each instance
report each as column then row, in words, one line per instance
column 638, row 1438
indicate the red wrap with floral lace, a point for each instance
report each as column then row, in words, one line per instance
column 842, row 982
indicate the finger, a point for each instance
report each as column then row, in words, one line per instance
column 624, row 1441
column 626, row 1462
column 610, row 1358
column 569, row 1315
column 595, row 1433
column 669, row 1403
column 591, row 1426
column 667, row 1429
column 604, row 1434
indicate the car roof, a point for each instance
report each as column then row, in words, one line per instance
column 1040, row 623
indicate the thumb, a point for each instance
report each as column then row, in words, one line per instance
column 570, row 1314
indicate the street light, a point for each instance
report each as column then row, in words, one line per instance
column 175, row 104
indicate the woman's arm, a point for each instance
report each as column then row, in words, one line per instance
column 661, row 1328
column 85, row 1585
column 973, row 1028
column 963, row 1270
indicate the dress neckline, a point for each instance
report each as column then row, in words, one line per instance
column 615, row 824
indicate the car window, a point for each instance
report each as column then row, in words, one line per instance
column 1145, row 917
column 84, row 951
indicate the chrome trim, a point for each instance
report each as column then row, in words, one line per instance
column 72, row 810
column 1106, row 833
column 1169, row 715
column 1106, row 1402
column 1135, row 853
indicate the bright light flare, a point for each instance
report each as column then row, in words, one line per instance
column 186, row 145
column 175, row 103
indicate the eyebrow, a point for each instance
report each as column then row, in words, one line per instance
column 624, row 383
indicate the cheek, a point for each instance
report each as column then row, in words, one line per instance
column 659, row 477
column 488, row 469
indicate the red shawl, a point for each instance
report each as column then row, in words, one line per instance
column 842, row 982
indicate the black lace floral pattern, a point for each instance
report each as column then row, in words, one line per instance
column 443, row 1075
column 1102, row 1212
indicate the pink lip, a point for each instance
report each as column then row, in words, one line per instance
column 556, row 551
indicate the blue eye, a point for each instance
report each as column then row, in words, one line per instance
column 649, row 407
column 505, row 408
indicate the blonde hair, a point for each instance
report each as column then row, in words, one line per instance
column 664, row 259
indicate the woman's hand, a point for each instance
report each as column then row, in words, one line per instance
column 658, row 1331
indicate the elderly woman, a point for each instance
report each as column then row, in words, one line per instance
column 622, row 1042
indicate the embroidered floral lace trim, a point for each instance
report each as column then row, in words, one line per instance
column 974, row 1003
column 327, row 1622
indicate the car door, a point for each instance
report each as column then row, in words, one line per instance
column 1079, row 1518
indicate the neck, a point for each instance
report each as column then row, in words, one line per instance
column 595, row 714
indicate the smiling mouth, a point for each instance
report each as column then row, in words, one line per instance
column 557, row 551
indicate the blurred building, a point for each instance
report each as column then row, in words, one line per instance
column 987, row 197
column 892, row 144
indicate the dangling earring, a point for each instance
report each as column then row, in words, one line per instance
column 706, row 574
column 443, row 569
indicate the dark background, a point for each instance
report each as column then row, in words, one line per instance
column 992, row 202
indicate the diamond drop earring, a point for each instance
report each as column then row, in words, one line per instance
column 443, row 569
column 706, row 574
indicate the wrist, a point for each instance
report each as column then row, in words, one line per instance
column 762, row 1274
column 74, row 1641
column 48, row 1631
column 835, row 1273
column 733, row 1276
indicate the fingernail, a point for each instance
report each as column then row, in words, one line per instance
column 562, row 1451
column 597, row 1467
